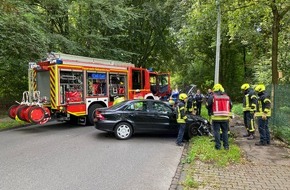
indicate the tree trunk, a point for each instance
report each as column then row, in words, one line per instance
column 275, row 33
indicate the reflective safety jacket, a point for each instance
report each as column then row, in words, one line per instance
column 250, row 100
column 214, row 115
column 263, row 105
column 181, row 116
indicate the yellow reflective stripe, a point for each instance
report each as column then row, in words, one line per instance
column 247, row 101
column 179, row 119
column 219, row 118
column 247, row 106
column 252, row 126
column 247, row 109
column 259, row 114
column 253, row 96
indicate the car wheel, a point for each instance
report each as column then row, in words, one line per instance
column 192, row 130
column 123, row 131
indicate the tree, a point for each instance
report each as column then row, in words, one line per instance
column 276, row 25
column 196, row 41
column 21, row 42
column 258, row 18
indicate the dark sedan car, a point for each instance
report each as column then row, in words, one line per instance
column 137, row 116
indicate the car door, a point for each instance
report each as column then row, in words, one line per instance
column 137, row 114
column 163, row 117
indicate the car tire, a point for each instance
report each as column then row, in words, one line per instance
column 192, row 130
column 123, row 131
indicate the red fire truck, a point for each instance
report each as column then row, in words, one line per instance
column 71, row 88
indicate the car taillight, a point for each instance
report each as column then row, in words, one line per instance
column 100, row 116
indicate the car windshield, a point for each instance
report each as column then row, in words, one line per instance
column 118, row 105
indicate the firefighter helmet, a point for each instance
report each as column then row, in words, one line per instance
column 171, row 102
column 245, row 86
column 182, row 96
column 218, row 87
column 118, row 100
column 260, row 88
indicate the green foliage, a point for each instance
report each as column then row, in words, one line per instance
column 282, row 132
column 253, row 23
column 8, row 124
column 237, row 109
column 190, row 182
column 197, row 48
column 21, row 40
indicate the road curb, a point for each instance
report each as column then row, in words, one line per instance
column 178, row 177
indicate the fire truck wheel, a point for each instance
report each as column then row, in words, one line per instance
column 91, row 114
column 123, row 131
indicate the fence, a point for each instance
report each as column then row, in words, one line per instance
column 280, row 120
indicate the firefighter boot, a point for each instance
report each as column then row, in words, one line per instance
column 247, row 135
column 251, row 137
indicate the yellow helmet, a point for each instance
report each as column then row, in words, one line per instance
column 218, row 87
column 171, row 102
column 260, row 88
column 118, row 100
column 182, row 96
column 245, row 86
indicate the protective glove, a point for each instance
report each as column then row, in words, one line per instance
column 264, row 116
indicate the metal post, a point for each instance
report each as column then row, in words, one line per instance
column 31, row 81
column 218, row 43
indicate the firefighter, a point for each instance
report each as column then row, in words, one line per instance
column 220, row 107
column 198, row 97
column 263, row 113
column 190, row 105
column 209, row 94
column 249, row 107
column 118, row 100
column 181, row 117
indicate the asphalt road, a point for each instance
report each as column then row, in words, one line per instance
column 59, row 157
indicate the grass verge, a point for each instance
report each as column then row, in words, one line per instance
column 7, row 123
column 202, row 148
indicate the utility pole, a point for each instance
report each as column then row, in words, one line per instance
column 218, row 43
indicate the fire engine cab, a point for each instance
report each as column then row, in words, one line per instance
column 71, row 88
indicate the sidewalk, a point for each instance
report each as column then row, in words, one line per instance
column 266, row 167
